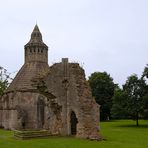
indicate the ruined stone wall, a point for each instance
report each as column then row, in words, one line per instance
column 67, row 82
column 82, row 102
column 65, row 91
column 21, row 107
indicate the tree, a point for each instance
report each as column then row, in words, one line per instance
column 118, row 110
column 145, row 77
column 102, row 87
column 146, row 106
column 4, row 80
column 135, row 90
column 145, row 72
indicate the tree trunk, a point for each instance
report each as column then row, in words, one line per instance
column 137, row 123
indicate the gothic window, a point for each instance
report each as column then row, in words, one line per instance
column 40, row 111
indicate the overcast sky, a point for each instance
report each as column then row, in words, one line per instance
column 102, row 35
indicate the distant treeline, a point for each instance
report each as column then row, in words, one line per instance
column 128, row 102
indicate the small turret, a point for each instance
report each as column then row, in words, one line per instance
column 36, row 50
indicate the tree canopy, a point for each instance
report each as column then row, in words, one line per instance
column 118, row 110
column 132, row 100
column 4, row 80
column 102, row 87
column 135, row 90
column 145, row 72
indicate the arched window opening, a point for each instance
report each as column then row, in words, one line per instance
column 40, row 112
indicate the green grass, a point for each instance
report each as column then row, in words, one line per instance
column 118, row 134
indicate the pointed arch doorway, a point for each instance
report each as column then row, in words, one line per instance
column 73, row 122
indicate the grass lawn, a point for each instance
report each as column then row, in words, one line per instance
column 118, row 134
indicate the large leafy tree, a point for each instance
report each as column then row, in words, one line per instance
column 118, row 110
column 102, row 87
column 4, row 80
column 135, row 90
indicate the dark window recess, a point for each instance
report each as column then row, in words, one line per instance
column 40, row 112
column 73, row 121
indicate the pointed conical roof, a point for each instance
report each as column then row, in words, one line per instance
column 36, row 37
column 36, row 28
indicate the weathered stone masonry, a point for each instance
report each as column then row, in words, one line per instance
column 57, row 98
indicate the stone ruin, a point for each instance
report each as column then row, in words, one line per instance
column 56, row 98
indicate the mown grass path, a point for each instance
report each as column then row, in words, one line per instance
column 118, row 134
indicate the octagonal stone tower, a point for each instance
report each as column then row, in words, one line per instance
column 56, row 98
column 36, row 63
column 35, row 49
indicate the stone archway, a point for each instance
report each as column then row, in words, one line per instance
column 40, row 112
column 73, row 122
